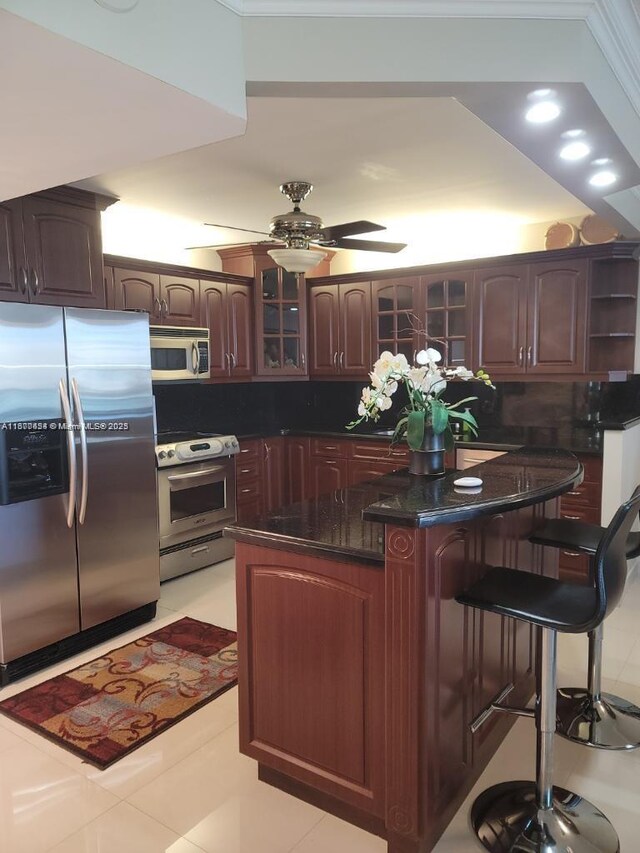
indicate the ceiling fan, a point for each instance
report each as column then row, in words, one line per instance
column 301, row 232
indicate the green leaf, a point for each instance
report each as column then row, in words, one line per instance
column 415, row 429
column 449, row 440
column 401, row 428
column 468, row 418
column 452, row 406
column 439, row 416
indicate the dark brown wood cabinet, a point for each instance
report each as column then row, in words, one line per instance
column 446, row 302
column 532, row 319
column 273, row 468
column 327, row 474
column 297, row 473
column 340, row 330
column 136, row 290
column 51, row 249
column 582, row 503
column 227, row 311
column 396, row 311
column 180, row 301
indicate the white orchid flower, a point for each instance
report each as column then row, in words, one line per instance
column 463, row 373
column 428, row 356
column 399, row 364
column 384, row 403
column 383, row 365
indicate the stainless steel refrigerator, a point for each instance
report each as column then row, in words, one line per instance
column 78, row 512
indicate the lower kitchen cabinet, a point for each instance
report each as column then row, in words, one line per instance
column 581, row 504
column 273, row 467
column 249, row 479
column 327, row 474
column 297, row 474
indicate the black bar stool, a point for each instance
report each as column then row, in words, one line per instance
column 591, row 717
column 535, row 817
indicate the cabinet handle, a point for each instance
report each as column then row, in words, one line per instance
column 35, row 282
column 342, row 360
column 23, row 280
column 245, row 491
column 158, row 306
column 529, row 355
column 335, row 360
column 521, row 356
column 302, row 360
column 165, row 307
column 415, row 353
column 572, row 517
column 571, row 554
column 574, row 493
column 233, row 360
column 228, row 360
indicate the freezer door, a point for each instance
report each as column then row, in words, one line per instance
column 109, row 364
column 38, row 566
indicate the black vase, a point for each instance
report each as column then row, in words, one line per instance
column 429, row 460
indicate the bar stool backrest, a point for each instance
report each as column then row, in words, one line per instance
column 610, row 560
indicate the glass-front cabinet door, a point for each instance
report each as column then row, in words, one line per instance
column 446, row 303
column 396, row 316
column 281, row 321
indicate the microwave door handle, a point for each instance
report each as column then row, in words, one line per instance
column 71, row 450
column 84, row 489
column 195, row 357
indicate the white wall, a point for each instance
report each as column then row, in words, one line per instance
column 195, row 45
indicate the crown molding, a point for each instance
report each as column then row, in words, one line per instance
column 615, row 25
column 561, row 9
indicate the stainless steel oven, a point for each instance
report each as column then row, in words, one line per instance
column 196, row 501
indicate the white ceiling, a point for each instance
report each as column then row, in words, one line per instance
column 384, row 159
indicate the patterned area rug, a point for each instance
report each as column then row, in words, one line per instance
column 110, row 706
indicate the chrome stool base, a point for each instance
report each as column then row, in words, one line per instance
column 506, row 819
column 607, row 722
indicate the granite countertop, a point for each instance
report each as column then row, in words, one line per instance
column 349, row 523
column 577, row 439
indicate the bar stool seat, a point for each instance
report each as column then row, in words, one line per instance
column 536, row 817
column 538, row 599
column 587, row 715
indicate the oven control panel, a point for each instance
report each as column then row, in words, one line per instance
column 181, row 452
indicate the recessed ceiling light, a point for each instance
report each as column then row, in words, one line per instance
column 542, row 112
column 573, row 134
column 601, row 161
column 575, row 151
column 603, row 179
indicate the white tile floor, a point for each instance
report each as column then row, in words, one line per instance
column 189, row 790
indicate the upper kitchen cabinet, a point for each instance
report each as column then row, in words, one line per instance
column 179, row 301
column 532, row 318
column 51, row 249
column 340, row 330
column 227, row 311
column 137, row 290
column 446, row 301
column 280, row 310
column 396, row 316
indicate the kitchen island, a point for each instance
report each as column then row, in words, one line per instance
column 359, row 672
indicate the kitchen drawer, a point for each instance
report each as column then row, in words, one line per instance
column 380, row 451
column 589, row 514
column 247, row 468
column 361, row 470
column 467, row 457
column 249, row 509
column 332, row 448
column 248, row 491
column 573, row 567
column 586, row 494
column 249, row 449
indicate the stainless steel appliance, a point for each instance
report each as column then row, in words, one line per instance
column 196, row 500
column 78, row 524
column 178, row 352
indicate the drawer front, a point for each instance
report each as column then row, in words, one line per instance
column 381, row 451
column 247, row 469
column 586, row 494
column 249, row 491
column 362, row 470
column 589, row 514
column 249, row 509
column 592, row 467
column 249, row 449
column 332, row 448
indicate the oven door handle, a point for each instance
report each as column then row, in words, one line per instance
column 187, row 481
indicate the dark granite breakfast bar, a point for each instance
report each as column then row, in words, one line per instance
column 359, row 672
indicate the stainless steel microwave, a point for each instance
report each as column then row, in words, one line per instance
column 179, row 352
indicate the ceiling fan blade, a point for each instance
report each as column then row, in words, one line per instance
column 346, row 229
column 370, row 245
column 235, row 228
column 220, row 245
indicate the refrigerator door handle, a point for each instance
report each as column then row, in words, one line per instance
column 84, row 489
column 71, row 450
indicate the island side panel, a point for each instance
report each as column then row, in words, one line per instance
column 311, row 676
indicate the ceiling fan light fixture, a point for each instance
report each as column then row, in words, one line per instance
column 297, row 260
